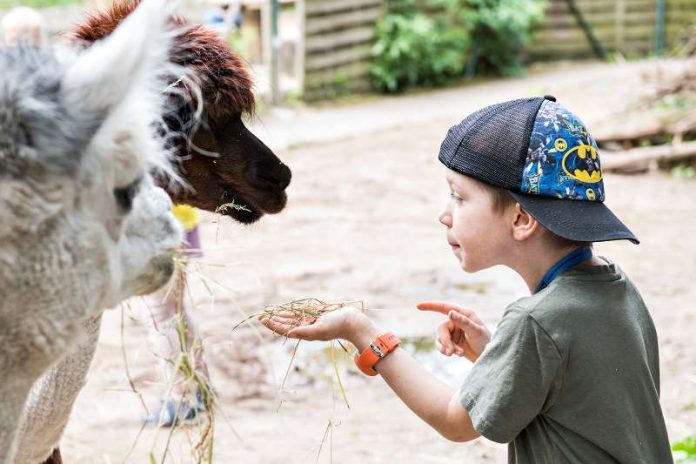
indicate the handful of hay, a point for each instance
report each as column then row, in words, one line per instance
column 305, row 311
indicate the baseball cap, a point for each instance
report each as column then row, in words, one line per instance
column 545, row 157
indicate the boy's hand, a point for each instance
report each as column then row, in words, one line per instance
column 343, row 323
column 463, row 333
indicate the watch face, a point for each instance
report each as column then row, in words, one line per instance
column 376, row 350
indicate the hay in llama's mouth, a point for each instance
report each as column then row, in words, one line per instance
column 239, row 209
column 246, row 211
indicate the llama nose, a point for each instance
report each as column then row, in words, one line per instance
column 273, row 174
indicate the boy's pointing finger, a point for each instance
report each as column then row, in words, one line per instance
column 441, row 307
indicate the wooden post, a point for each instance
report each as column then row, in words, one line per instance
column 620, row 26
column 264, row 11
column 300, row 69
column 275, row 53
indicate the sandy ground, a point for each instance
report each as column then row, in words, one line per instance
column 361, row 224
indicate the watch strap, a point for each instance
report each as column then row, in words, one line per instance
column 375, row 352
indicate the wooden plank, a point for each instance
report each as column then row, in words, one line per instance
column 562, row 8
column 606, row 35
column 340, row 39
column 337, row 75
column 361, row 17
column 571, row 48
column 339, row 57
column 328, row 92
column 362, row 83
column 595, row 20
column 322, row 7
column 642, row 157
column 682, row 19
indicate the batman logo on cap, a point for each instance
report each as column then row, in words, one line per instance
column 581, row 163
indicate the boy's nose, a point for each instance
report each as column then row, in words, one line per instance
column 445, row 219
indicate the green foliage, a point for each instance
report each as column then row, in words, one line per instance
column 684, row 171
column 428, row 42
column 685, row 451
column 9, row 4
column 414, row 49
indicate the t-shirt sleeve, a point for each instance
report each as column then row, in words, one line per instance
column 512, row 380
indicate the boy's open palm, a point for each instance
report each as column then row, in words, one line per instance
column 463, row 333
column 336, row 324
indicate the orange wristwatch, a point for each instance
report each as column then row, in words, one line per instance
column 377, row 350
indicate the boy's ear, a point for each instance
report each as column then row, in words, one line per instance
column 524, row 225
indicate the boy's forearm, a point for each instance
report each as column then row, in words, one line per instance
column 428, row 397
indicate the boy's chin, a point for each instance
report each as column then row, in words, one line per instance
column 469, row 267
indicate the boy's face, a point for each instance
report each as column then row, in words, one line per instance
column 478, row 234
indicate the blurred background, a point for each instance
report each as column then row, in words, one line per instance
column 356, row 96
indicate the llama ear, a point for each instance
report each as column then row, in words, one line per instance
column 134, row 57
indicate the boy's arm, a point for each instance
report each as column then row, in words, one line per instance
column 432, row 400
column 429, row 398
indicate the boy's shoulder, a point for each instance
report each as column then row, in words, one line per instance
column 581, row 299
column 578, row 287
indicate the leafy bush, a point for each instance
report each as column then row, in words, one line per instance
column 685, row 451
column 413, row 48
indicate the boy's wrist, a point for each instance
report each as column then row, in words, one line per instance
column 362, row 331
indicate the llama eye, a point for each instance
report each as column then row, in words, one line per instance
column 27, row 139
column 124, row 195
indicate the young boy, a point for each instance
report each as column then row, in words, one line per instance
column 571, row 373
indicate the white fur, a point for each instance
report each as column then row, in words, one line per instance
column 66, row 248
column 52, row 397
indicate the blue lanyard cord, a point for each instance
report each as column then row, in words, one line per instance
column 570, row 260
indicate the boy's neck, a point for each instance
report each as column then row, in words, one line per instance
column 533, row 264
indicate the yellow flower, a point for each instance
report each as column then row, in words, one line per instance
column 186, row 214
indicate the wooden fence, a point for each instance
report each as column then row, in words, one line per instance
column 338, row 35
column 624, row 26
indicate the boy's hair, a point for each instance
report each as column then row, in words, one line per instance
column 502, row 200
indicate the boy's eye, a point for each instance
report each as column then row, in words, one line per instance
column 455, row 196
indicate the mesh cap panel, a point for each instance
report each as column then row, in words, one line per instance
column 491, row 144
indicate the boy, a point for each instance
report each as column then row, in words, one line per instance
column 571, row 373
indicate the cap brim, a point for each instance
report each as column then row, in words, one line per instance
column 581, row 221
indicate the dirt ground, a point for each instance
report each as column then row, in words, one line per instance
column 361, row 224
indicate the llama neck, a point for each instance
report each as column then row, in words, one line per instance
column 52, row 397
column 14, row 392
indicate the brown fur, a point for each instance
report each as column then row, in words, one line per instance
column 246, row 171
column 226, row 83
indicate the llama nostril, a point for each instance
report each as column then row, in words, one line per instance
column 285, row 176
column 278, row 177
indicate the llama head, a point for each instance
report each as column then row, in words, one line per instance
column 220, row 159
column 77, row 145
column 225, row 162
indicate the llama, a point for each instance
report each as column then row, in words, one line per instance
column 77, row 145
column 244, row 171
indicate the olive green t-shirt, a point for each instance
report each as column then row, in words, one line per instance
column 571, row 375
